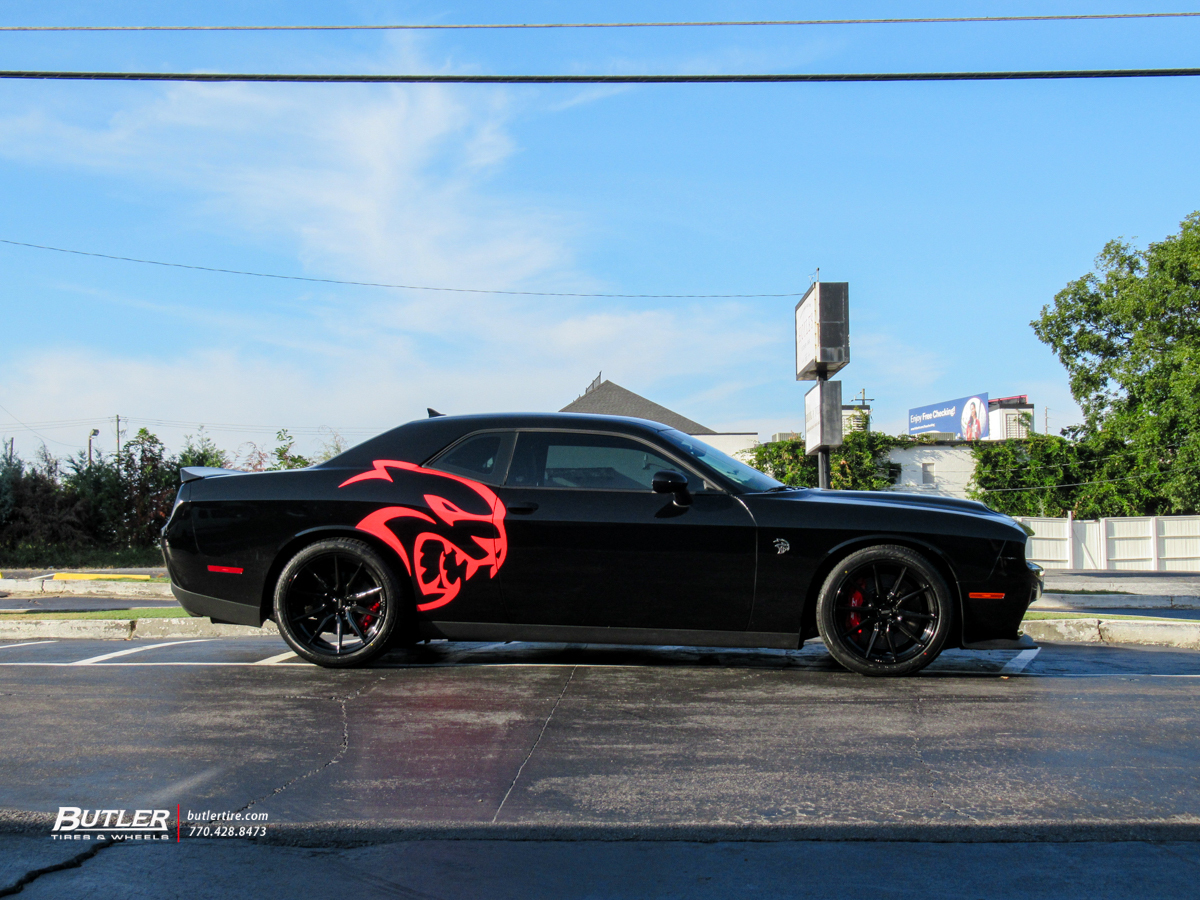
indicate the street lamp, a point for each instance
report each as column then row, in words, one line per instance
column 95, row 433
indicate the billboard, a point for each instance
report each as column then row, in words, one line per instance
column 823, row 330
column 966, row 418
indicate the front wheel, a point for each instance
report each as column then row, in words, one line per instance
column 337, row 603
column 884, row 610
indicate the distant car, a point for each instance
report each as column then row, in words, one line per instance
column 599, row 529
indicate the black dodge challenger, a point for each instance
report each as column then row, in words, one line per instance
column 554, row 527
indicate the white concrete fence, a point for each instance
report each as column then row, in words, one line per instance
column 1143, row 543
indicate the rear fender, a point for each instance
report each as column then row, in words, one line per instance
column 311, row 536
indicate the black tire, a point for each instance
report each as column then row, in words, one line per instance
column 884, row 610
column 337, row 603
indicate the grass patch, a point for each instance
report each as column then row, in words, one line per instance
column 127, row 615
column 1099, row 593
column 153, row 579
column 48, row 557
column 1039, row 614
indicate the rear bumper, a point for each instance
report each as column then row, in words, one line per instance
column 220, row 611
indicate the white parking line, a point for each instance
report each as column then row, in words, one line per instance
column 274, row 660
column 26, row 644
column 1018, row 663
column 96, row 659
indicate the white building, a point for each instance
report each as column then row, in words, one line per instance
column 942, row 468
column 608, row 399
column 1009, row 417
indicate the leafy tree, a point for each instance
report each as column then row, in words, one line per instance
column 37, row 511
column 284, row 458
column 860, row 464
column 1129, row 337
column 102, row 492
column 200, row 450
column 151, row 479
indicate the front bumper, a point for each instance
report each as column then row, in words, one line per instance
column 992, row 612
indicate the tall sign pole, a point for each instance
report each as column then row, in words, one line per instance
column 823, row 349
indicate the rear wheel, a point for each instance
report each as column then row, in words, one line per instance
column 338, row 604
column 884, row 611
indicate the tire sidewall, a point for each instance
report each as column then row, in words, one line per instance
column 893, row 553
column 394, row 596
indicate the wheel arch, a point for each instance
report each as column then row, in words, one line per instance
column 938, row 559
column 312, row 536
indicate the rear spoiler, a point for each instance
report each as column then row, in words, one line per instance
column 195, row 473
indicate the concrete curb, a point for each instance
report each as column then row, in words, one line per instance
column 1051, row 600
column 124, row 629
column 93, row 629
column 1185, row 635
column 104, row 588
column 359, row 833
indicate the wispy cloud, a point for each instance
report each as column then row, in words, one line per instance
column 390, row 184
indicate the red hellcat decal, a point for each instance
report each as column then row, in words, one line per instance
column 435, row 581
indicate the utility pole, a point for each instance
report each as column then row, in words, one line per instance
column 118, row 437
column 1045, row 420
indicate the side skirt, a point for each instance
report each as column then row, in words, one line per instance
column 574, row 634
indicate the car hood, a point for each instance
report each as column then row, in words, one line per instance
column 889, row 500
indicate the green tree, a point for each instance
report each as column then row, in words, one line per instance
column 102, row 492
column 1129, row 337
column 860, row 464
column 150, row 479
column 200, row 450
column 284, row 458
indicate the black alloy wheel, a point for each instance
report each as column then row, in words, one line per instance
column 884, row 610
column 337, row 603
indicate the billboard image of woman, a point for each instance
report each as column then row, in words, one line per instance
column 974, row 419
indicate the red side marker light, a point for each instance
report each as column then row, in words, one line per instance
column 234, row 570
column 973, row 596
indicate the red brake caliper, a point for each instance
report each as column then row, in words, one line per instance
column 368, row 619
column 856, row 599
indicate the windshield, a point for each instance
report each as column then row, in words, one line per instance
column 736, row 471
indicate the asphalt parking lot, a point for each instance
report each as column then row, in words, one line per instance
column 671, row 758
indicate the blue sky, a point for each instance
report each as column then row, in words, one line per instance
column 955, row 211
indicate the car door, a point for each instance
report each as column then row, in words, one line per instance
column 591, row 545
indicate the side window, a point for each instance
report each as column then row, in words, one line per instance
column 482, row 457
column 597, row 461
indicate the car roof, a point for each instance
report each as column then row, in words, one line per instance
column 419, row 440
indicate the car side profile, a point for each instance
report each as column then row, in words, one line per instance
column 584, row 528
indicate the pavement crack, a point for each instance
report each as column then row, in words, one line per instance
column 73, row 863
column 345, row 746
column 528, row 755
column 938, row 775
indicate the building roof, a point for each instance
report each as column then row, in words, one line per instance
column 608, row 399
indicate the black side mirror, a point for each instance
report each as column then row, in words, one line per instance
column 668, row 482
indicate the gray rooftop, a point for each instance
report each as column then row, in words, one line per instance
column 608, row 399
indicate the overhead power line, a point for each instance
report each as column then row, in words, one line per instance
column 1085, row 462
column 523, row 25
column 1055, row 487
column 407, row 287
column 602, row 79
